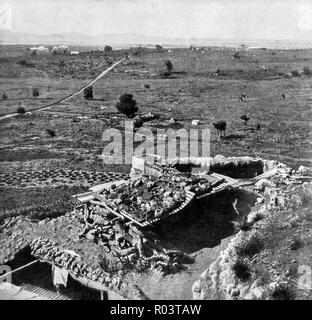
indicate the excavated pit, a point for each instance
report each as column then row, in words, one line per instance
column 37, row 278
column 199, row 231
column 206, row 223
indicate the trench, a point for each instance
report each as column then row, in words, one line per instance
column 201, row 231
column 37, row 278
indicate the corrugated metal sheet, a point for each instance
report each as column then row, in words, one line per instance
column 44, row 292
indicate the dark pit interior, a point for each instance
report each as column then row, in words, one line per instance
column 37, row 278
column 233, row 169
column 206, row 222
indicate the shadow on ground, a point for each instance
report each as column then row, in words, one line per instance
column 206, row 223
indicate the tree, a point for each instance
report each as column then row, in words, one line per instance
column 35, row 92
column 4, row 96
column 169, row 66
column 245, row 119
column 20, row 110
column 127, row 105
column 307, row 71
column 221, row 127
column 108, row 49
column 88, row 93
column 158, row 47
column 237, row 55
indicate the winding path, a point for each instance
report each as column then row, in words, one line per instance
column 69, row 96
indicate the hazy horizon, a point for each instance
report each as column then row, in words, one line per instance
column 269, row 20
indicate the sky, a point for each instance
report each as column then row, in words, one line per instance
column 198, row 19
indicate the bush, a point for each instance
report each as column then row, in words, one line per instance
column 283, row 292
column 237, row 55
column 307, row 71
column 158, row 47
column 24, row 63
column 51, row 133
column 241, row 225
column 250, row 247
column 4, row 96
column 127, row 105
column 88, row 93
column 295, row 243
column 137, row 121
column 35, row 92
column 241, row 269
column 169, row 65
column 295, row 73
column 20, row 110
column 108, row 49
column 166, row 74
column 257, row 216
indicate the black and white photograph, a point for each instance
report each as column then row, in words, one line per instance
column 155, row 150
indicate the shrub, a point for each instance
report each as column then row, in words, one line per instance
column 88, row 93
column 250, row 247
column 257, row 216
column 169, row 65
column 138, row 121
column 307, row 71
column 158, row 47
column 127, row 105
column 24, row 63
column 283, row 292
column 4, row 96
column 108, row 49
column 295, row 73
column 241, row 225
column 35, row 92
column 241, row 269
column 51, row 133
column 166, row 74
column 295, row 243
column 20, row 110
column 236, row 55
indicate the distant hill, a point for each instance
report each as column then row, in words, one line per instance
column 12, row 37
column 128, row 39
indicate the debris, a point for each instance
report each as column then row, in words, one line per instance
column 172, row 120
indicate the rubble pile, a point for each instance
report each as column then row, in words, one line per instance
column 144, row 198
column 283, row 187
column 48, row 251
column 123, row 245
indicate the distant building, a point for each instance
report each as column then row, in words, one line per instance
column 39, row 49
column 61, row 49
column 74, row 52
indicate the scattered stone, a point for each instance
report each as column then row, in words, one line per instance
column 172, row 121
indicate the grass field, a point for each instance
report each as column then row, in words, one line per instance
column 193, row 91
column 205, row 85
